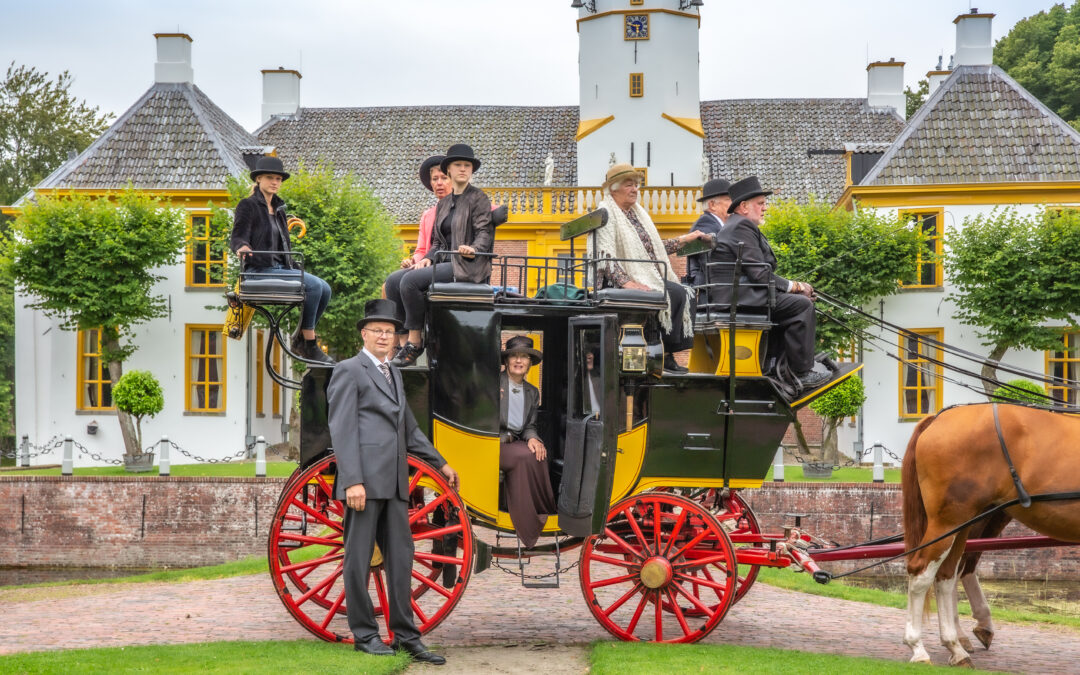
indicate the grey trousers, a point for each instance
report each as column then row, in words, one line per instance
column 386, row 522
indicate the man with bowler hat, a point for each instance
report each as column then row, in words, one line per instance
column 715, row 200
column 372, row 429
column 793, row 312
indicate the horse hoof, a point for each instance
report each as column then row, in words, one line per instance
column 966, row 644
column 985, row 636
column 964, row 663
column 919, row 659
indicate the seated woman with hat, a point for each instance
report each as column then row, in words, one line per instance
column 522, row 455
column 631, row 234
column 260, row 224
column 463, row 226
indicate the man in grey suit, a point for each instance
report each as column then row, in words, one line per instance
column 372, row 429
column 715, row 198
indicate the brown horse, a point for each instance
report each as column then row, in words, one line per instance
column 955, row 469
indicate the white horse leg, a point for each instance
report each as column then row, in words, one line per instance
column 918, row 585
column 964, row 641
column 948, row 621
column 980, row 610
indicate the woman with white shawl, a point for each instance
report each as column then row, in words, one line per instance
column 631, row 234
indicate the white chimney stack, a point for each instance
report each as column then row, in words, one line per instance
column 173, row 58
column 281, row 92
column 937, row 76
column 885, row 86
column 974, row 46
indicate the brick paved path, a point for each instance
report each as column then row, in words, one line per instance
column 494, row 610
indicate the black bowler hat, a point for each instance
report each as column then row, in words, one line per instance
column 458, row 152
column 425, row 169
column 522, row 344
column 717, row 187
column 269, row 165
column 747, row 188
column 379, row 309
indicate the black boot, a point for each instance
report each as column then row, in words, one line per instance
column 407, row 355
column 671, row 366
column 312, row 352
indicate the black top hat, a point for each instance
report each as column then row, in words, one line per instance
column 522, row 344
column 425, row 169
column 458, row 152
column 747, row 188
column 269, row 165
column 717, row 187
column 380, row 310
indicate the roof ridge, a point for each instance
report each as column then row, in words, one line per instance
column 189, row 91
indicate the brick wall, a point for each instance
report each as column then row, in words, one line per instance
column 99, row 521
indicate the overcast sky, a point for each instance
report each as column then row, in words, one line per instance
column 520, row 52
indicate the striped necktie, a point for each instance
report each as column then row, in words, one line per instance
column 389, row 378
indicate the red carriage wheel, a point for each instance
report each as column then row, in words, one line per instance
column 305, row 551
column 652, row 551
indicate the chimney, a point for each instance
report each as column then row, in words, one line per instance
column 938, row 75
column 974, row 46
column 173, row 58
column 281, row 93
column 885, row 86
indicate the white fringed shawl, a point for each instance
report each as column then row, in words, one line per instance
column 619, row 239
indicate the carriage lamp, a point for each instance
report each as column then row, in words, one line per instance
column 633, row 349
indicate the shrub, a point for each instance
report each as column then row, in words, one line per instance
column 139, row 394
column 1025, row 391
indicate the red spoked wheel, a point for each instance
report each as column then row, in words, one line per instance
column 305, row 551
column 652, row 552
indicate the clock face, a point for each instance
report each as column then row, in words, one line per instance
column 636, row 27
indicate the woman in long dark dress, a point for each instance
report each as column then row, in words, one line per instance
column 522, row 455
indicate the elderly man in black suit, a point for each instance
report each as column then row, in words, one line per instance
column 372, row 430
column 793, row 312
column 715, row 200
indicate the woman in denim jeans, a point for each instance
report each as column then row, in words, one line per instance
column 260, row 224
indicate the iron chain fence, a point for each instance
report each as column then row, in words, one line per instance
column 29, row 451
column 851, row 461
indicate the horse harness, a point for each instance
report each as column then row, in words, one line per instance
column 1022, row 494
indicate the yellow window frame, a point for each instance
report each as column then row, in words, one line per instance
column 260, row 366
column 210, row 333
column 936, row 246
column 199, row 256
column 1068, row 359
column 275, row 388
column 637, row 85
column 99, row 380
column 936, row 388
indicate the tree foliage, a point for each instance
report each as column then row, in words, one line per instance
column 1021, row 390
column 1012, row 275
column 856, row 256
column 139, row 394
column 1042, row 53
column 40, row 123
column 843, row 400
column 916, row 98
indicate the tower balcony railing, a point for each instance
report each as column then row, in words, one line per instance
column 560, row 204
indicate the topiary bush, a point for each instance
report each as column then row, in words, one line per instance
column 1025, row 391
column 139, row 394
column 843, row 400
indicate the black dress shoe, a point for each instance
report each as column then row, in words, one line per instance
column 813, row 379
column 419, row 652
column 671, row 366
column 311, row 351
column 407, row 355
column 374, row 646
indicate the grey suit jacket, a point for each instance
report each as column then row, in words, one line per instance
column 371, row 432
column 532, row 399
column 756, row 249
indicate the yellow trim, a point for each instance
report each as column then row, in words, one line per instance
column 260, row 344
column 931, row 73
column 601, row 15
column 99, row 380
column 477, row 458
column 666, row 481
column 586, row 127
column 885, row 64
column 691, row 124
column 1068, row 357
column 637, row 85
column 183, row 35
column 938, row 242
column 275, row 388
column 826, row 388
column 847, row 168
column 747, row 353
column 956, row 194
column 628, row 461
column 961, row 17
column 283, row 70
column 938, row 387
column 211, row 330
column 207, row 262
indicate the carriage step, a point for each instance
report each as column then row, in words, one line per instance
column 550, row 580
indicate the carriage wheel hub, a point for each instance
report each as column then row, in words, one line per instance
column 656, row 572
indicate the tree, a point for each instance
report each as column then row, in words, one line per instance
column 1012, row 275
column 40, row 123
column 1021, row 390
column 139, row 394
column 90, row 262
column 843, row 400
column 916, row 98
column 1042, row 53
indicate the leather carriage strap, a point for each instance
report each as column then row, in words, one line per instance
column 1021, row 493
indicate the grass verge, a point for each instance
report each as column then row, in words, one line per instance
column 845, row 474
column 234, row 658
column 633, row 658
column 230, row 469
column 783, row 578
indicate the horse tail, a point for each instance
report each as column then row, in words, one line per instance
column 914, row 510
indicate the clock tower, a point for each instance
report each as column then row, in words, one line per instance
column 639, row 98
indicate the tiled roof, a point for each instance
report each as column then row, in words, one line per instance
column 980, row 126
column 173, row 138
column 795, row 146
column 383, row 147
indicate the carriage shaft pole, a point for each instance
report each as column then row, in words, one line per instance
column 973, row 546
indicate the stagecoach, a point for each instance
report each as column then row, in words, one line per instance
column 646, row 465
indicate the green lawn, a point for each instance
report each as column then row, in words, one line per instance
column 231, row 658
column 848, row 474
column 273, row 469
column 634, row 658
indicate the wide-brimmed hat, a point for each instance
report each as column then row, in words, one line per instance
column 522, row 344
column 747, row 188
column 620, row 172
column 269, row 165
column 380, row 309
column 457, row 153
column 425, row 169
column 717, row 187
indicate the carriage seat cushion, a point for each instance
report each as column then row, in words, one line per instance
column 271, row 286
column 462, row 291
column 628, row 297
